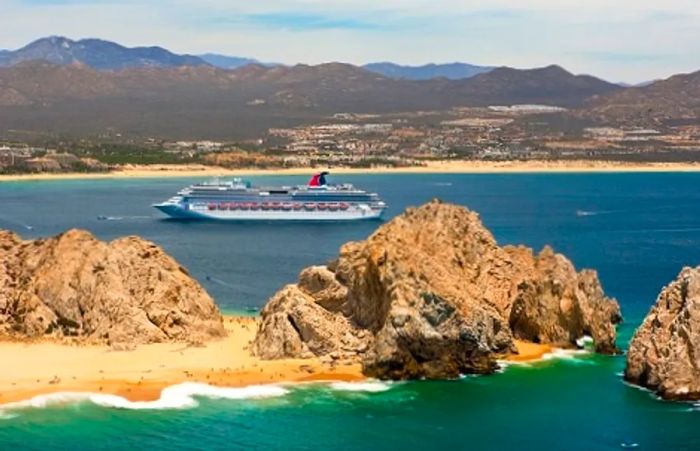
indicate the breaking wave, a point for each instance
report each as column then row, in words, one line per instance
column 373, row 386
column 178, row 396
column 555, row 354
column 567, row 354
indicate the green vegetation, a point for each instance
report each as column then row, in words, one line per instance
column 115, row 153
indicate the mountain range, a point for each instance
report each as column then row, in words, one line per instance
column 96, row 53
column 91, row 86
column 106, row 55
column 451, row 71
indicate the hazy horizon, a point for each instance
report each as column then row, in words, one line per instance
column 629, row 41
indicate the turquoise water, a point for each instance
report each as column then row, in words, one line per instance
column 637, row 230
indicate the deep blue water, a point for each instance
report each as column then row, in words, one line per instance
column 637, row 230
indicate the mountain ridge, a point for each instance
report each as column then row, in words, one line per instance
column 451, row 71
column 206, row 101
column 96, row 53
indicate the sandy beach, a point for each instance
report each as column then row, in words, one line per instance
column 141, row 374
column 39, row 368
column 432, row 167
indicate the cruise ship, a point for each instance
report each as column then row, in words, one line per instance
column 237, row 200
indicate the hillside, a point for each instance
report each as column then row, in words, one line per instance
column 96, row 53
column 204, row 101
column 551, row 85
column 674, row 99
column 227, row 62
column 452, row 71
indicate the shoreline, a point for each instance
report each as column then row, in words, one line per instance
column 68, row 371
column 431, row 167
column 141, row 374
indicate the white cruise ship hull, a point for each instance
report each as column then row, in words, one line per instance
column 239, row 201
column 354, row 213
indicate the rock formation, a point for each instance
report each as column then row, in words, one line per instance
column 431, row 294
column 128, row 291
column 664, row 354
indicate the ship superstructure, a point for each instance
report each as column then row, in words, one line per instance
column 238, row 200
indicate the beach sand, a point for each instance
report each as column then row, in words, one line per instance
column 38, row 368
column 432, row 167
column 31, row 369
column 529, row 352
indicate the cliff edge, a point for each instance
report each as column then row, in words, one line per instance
column 431, row 294
column 128, row 291
column 664, row 354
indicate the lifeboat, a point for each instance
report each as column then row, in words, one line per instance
column 344, row 205
column 322, row 206
column 276, row 205
column 212, row 206
column 333, row 206
column 297, row 206
column 234, row 206
column 287, row 206
column 244, row 206
column 254, row 206
column 309, row 206
column 266, row 206
column 222, row 206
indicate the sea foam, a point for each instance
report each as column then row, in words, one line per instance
column 566, row 354
column 371, row 386
column 180, row 396
column 555, row 354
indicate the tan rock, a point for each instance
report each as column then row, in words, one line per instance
column 431, row 294
column 664, row 354
column 126, row 291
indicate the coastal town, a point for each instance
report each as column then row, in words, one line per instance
column 496, row 134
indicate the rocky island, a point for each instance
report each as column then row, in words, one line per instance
column 122, row 293
column 664, row 354
column 432, row 295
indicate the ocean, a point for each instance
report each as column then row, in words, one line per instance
column 637, row 230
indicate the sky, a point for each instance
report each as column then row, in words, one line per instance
column 619, row 40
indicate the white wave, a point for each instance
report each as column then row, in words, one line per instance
column 372, row 386
column 567, row 354
column 583, row 341
column 556, row 353
column 178, row 396
column 504, row 364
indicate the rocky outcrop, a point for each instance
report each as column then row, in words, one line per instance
column 431, row 294
column 664, row 354
column 128, row 291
